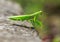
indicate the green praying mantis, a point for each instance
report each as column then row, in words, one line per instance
column 30, row 18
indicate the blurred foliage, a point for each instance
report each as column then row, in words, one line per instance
column 30, row 6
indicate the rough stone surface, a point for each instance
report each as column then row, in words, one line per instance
column 9, row 32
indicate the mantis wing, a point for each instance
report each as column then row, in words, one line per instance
column 21, row 17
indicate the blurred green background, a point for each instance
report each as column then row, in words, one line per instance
column 30, row 6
